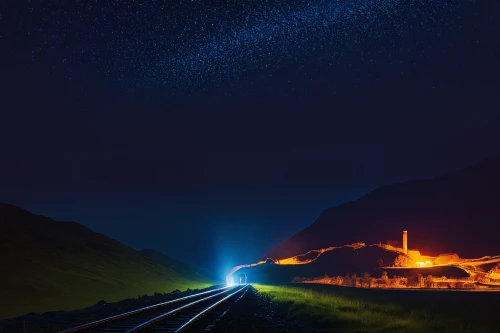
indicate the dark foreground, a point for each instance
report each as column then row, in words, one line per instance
column 340, row 309
column 56, row 321
column 305, row 308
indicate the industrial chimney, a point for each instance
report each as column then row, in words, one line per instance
column 405, row 241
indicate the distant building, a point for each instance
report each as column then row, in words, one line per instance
column 415, row 255
column 446, row 258
column 405, row 241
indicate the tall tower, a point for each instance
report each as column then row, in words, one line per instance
column 405, row 241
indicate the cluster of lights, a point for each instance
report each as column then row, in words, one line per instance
column 422, row 263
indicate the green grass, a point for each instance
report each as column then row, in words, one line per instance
column 49, row 266
column 349, row 310
column 69, row 284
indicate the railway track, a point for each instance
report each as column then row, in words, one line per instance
column 192, row 313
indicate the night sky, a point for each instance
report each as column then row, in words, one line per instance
column 213, row 130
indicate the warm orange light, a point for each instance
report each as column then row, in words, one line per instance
column 295, row 260
column 450, row 259
column 300, row 259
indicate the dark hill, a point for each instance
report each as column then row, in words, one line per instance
column 52, row 265
column 458, row 213
column 179, row 268
column 337, row 262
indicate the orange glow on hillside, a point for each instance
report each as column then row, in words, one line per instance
column 295, row 260
column 312, row 255
column 244, row 266
column 480, row 271
column 415, row 260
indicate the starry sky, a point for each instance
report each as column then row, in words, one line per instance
column 232, row 124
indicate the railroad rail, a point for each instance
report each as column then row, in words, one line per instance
column 178, row 315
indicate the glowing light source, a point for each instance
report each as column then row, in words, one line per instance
column 229, row 280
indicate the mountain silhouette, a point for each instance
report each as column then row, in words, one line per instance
column 459, row 213
column 50, row 265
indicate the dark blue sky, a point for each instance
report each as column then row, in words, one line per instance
column 231, row 125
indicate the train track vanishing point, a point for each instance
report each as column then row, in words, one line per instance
column 177, row 315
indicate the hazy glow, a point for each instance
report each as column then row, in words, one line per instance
column 229, row 280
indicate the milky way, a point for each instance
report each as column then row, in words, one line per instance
column 179, row 44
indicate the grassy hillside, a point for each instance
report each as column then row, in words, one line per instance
column 50, row 265
column 178, row 268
